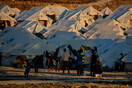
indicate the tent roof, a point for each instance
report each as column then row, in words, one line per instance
column 33, row 15
column 106, row 11
column 18, row 11
column 5, row 17
column 32, row 26
column 113, row 54
column 122, row 14
column 88, row 9
column 19, row 39
column 128, row 58
column 7, row 10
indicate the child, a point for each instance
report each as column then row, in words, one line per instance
column 58, row 66
column 27, row 70
column 50, row 62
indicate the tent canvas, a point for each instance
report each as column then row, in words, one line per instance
column 18, row 39
column 32, row 26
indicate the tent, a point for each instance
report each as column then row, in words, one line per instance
column 106, row 11
column 7, row 10
column 54, row 12
column 18, row 40
column 90, row 11
column 17, row 11
column 32, row 26
column 128, row 62
column 112, row 55
column 64, row 25
column 80, row 16
column 33, row 15
column 123, row 15
column 6, row 20
column 105, row 30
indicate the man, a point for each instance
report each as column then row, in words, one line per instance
column 79, row 64
column 65, row 61
column 94, row 57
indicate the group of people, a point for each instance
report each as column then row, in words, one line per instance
column 95, row 67
column 64, row 62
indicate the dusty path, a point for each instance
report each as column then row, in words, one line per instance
column 9, row 75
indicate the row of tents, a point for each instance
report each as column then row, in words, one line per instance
column 109, row 31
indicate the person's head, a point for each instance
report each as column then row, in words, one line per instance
column 92, row 51
column 49, row 54
column 95, row 48
column 58, row 62
column 64, row 50
column 79, row 51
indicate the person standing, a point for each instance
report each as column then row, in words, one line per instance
column 36, row 64
column 94, row 57
column 79, row 63
column 27, row 70
column 58, row 66
column 50, row 62
column 65, row 61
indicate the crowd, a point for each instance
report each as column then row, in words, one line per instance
column 64, row 62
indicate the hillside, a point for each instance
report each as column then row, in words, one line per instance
column 71, row 4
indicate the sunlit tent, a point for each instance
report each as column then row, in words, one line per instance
column 64, row 25
column 106, row 30
column 7, row 10
column 33, row 15
column 90, row 11
column 80, row 16
column 54, row 12
column 32, row 26
column 123, row 15
column 64, row 14
column 129, row 31
column 17, row 11
column 6, row 21
column 106, row 12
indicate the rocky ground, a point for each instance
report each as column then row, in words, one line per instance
column 13, row 78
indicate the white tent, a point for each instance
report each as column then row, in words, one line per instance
column 40, row 48
column 7, row 10
column 123, row 15
column 106, row 29
column 129, row 31
column 64, row 14
column 90, row 11
column 81, row 16
column 32, row 26
column 6, row 20
column 33, row 15
column 18, row 40
column 106, row 11
column 129, row 40
column 63, row 25
column 113, row 54
column 54, row 11
column 17, row 11
column 128, row 58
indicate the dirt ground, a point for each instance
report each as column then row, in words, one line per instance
column 14, row 78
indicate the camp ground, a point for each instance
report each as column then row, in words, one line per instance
column 46, row 28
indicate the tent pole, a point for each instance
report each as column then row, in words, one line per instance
column 44, row 58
